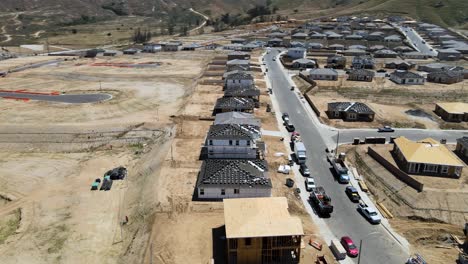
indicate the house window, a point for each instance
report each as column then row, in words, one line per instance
column 230, row 142
column 223, row 191
column 202, row 191
column 210, row 142
column 430, row 168
column 352, row 115
column 410, row 80
column 248, row 241
column 412, row 166
column 237, row 142
column 236, row 191
column 248, row 142
column 444, row 169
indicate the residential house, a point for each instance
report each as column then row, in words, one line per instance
column 406, row 77
column 238, row 41
column 385, row 53
column 426, row 157
column 402, row 49
column 261, row 230
column 317, row 35
column 249, row 47
column 392, row 38
column 354, row 52
column 322, row 74
column 296, row 53
column 110, row 53
column 336, row 62
column 350, row 111
column 354, row 37
column 233, row 178
column 336, row 47
column 297, row 44
column 243, row 63
column 244, row 92
column 445, row 76
column 376, row 36
column 449, row 54
column 452, row 112
column 399, row 65
column 236, row 104
column 361, row 75
column 275, row 42
column 363, row 62
column 232, row 141
column 300, row 35
column 433, row 67
column 376, row 48
column 238, row 118
column 314, row 46
column 239, row 79
column 278, row 35
column 232, row 68
column 360, row 47
column 152, row 47
column 170, row 46
column 415, row 55
column 131, row 51
column 238, row 55
column 462, row 148
column 191, row 46
column 304, row 64
column 235, row 46
column 213, row 46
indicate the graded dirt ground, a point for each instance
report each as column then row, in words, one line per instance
column 52, row 152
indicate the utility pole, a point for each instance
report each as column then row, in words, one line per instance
column 360, row 252
column 337, row 143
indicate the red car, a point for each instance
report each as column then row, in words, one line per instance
column 349, row 246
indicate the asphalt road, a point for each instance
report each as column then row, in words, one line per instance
column 379, row 246
column 417, row 40
column 65, row 98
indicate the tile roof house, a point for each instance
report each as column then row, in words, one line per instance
column 376, row 36
column 449, row 54
column 426, row 157
column 317, row 35
column 452, row 112
column 415, row 55
column 238, row 118
column 296, row 53
column 385, row 53
column 322, row 74
column 336, row 47
column 239, row 79
column 363, row 62
column 462, row 148
column 304, row 64
column 300, row 35
column 433, row 67
column 261, row 230
column 314, row 46
column 399, row 65
column 236, row 104
column 336, row 62
column 406, row 77
column 360, row 75
column 238, row 55
column 297, row 44
column 350, row 111
column 445, row 76
column 232, row 141
column 275, row 42
column 233, row 178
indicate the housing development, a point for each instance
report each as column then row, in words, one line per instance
column 339, row 139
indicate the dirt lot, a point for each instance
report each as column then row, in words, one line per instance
column 52, row 152
column 395, row 105
column 426, row 218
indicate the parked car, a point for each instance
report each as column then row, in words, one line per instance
column 353, row 194
column 285, row 117
column 304, row 170
column 290, row 128
column 349, row 246
column 309, row 184
column 289, row 182
column 369, row 213
column 385, row 129
column 274, row 58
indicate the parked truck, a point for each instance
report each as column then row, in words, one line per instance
column 321, row 201
column 337, row 249
column 340, row 168
column 300, row 151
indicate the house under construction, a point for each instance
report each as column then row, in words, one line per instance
column 260, row 230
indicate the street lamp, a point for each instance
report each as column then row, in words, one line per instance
column 360, row 245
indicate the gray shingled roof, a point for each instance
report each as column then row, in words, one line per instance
column 234, row 103
column 406, row 74
column 357, row 107
column 238, row 62
column 363, row 72
column 242, row 92
column 234, row 173
column 239, row 75
column 237, row 118
column 232, row 131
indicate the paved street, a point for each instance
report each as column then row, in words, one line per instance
column 416, row 40
column 379, row 245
